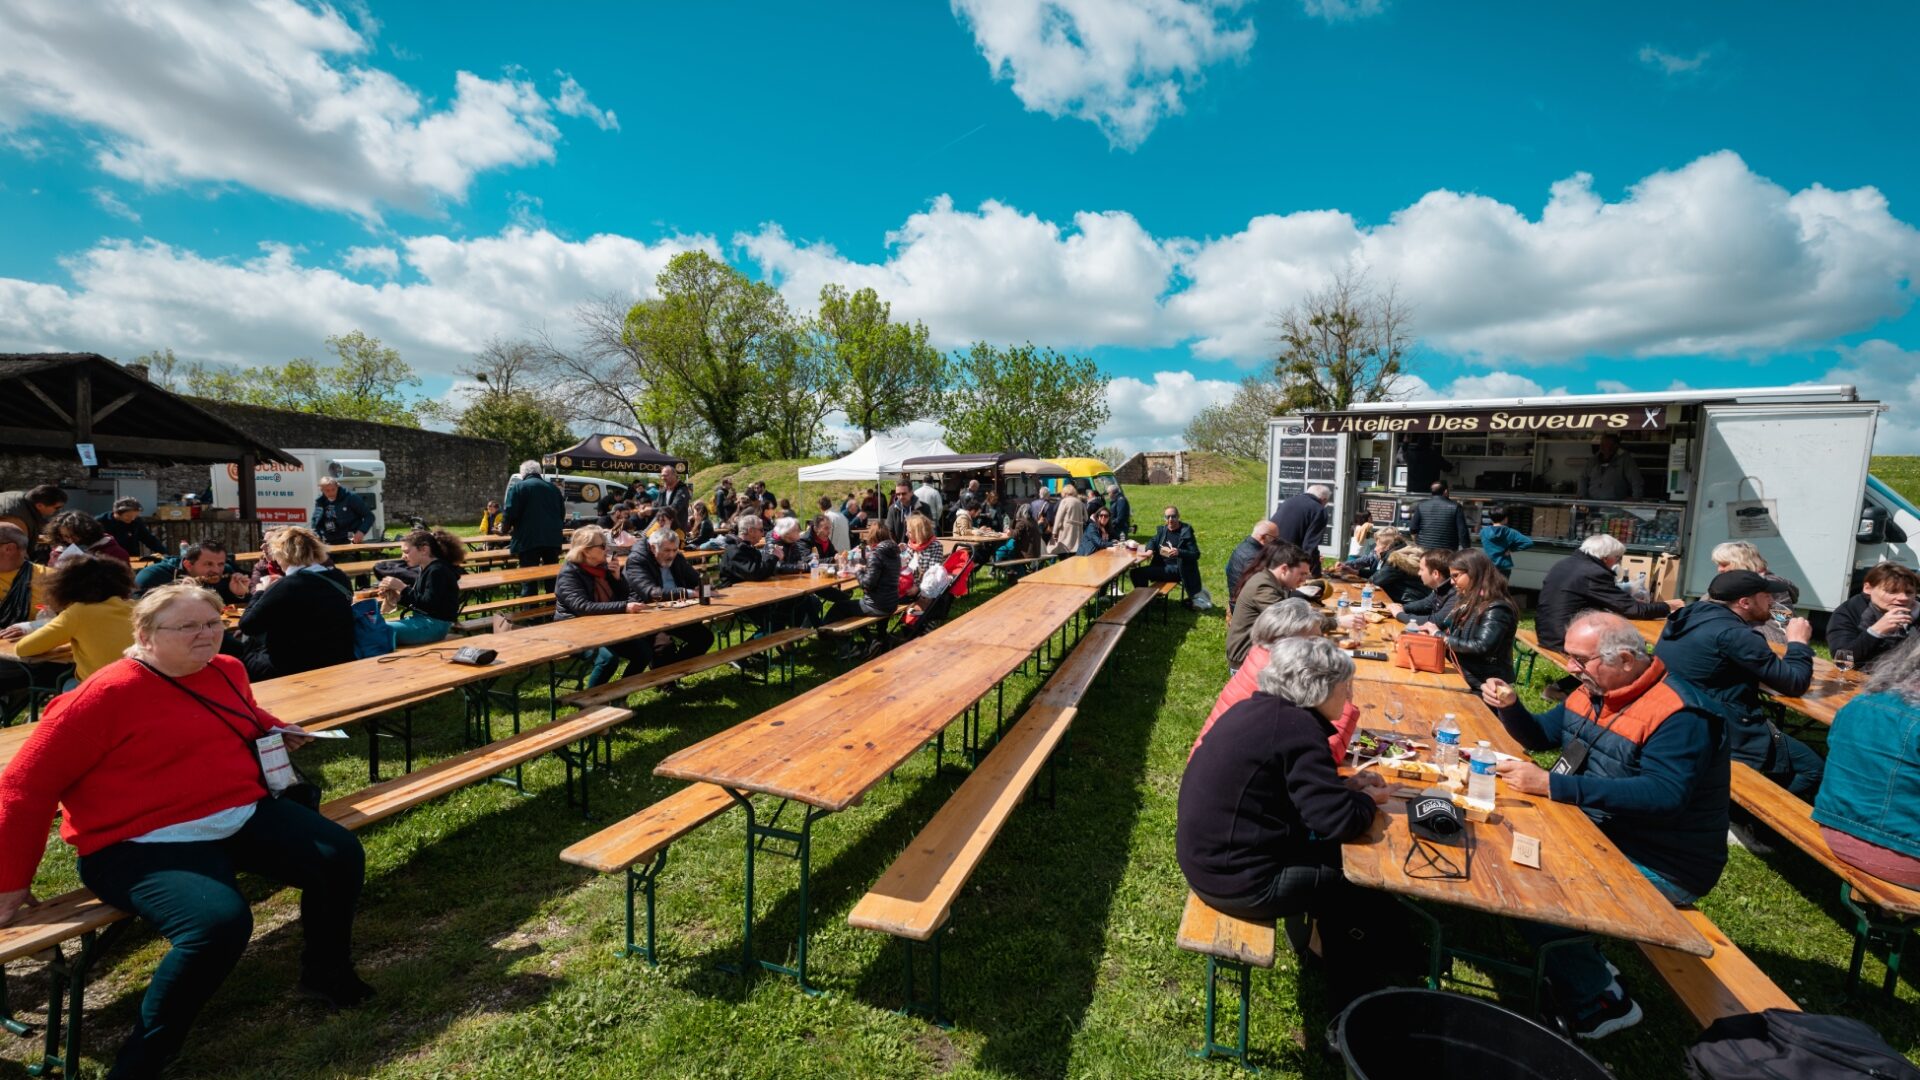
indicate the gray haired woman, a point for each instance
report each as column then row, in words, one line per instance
column 1263, row 811
column 1290, row 618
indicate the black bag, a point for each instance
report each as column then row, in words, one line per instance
column 1780, row 1044
column 396, row 568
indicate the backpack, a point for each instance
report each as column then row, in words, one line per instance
column 1780, row 1044
column 371, row 634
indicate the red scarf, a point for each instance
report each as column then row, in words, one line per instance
column 602, row 585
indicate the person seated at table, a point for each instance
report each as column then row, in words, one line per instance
column 1360, row 537
column 1397, row 571
column 1879, row 619
column 749, row 559
column 988, row 515
column 1381, row 540
column 22, row 583
column 700, row 528
column 1741, row 555
column 1867, row 808
column 339, row 515
column 585, row 586
column 88, row 595
column 786, row 546
column 921, row 553
column 1095, row 537
column 1292, row 617
column 433, row 599
column 1023, row 539
column 1643, row 754
column 1275, row 576
column 74, row 532
column 1584, row 581
column 492, row 522
column 1264, row 532
column 841, row 530
column 1712, row 646
column 205, row 562
column 303, row 620
column 1436, row 574
column 1480, row 625
column 124, row 525
column 879, row 577
column 1263, row 812
column 1174, row 555
column 962, row 518
column 152, row 767
column 819, row 540
column 620, row 541
column 657, row 571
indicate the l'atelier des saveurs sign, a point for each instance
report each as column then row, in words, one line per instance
column 1481, row 421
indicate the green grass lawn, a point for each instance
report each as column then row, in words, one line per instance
column 492, row 958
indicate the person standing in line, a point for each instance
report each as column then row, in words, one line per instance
column 1120, row 511
column 1302, row 518
column 1439, row 522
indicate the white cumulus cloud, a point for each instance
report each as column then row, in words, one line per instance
column 1668, row 63
column 270, row 94
column 1121, row 64
column 573, row 102
column 383, row 259
column 1337, row 11
column 1154, row 415
column 129, row 297
column 1883, row 371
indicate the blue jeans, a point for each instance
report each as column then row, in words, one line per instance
column 418, row 629
column 638, row 654
column 1185, row 570
column 1579, row 972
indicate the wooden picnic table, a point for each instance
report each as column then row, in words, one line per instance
column 11, row 739
column 1583, row 883
column 517, row 575
column 1380, row 637
column 379, row 545
column 976, row 538
column 1093, row 571
column 61, row 655
column 1016, row 618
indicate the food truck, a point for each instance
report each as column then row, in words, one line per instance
column 1784, row 468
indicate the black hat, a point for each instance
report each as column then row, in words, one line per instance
column 1435, row 818
column 1733, row 585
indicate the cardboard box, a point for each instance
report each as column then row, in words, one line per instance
column 1666, row 578
column 171, row 513
column 1632, row 566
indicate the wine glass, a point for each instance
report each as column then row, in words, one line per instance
column 1781, row 613
column 1843, row 659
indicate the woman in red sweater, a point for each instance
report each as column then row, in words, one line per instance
column 152, row 763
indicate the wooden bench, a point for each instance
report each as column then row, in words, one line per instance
column 638, row 846
column 1237, row 945
column 1883, row 912
column 1727, row 983
column 507, row 605
column 1006, row 568
column 1136, row 602
column 619, row 689
column 1074, row 676
column 81, row 915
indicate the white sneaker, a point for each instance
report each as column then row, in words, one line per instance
column 1202, row 601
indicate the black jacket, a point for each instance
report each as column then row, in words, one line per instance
column 647, row 580
column 1580, row 583
column 1093, row 538
column 741, row 561
column 1847, row 629
column 338, row 520
column 1261, row 794
column 302, row 622
column 1720, row 653
column 897, row 518
column 132, row 536
column 1183, row 541
column 1435, row 605
column 1440, row 523
column 436, row 592
column 536, row 512
column 1399, row 583
column 1302, row 520
column 1238, row 560
column 679, row 499
column 789, row 557
column 879, row 577
column 1484, row 644
column 573, row 593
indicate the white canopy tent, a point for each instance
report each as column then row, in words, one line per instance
column 879, row 458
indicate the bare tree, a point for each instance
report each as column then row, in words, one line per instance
column 1238, row 426
column 505, row 367
column 603, row 381
column 1341, row 345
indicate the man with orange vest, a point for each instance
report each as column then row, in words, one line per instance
column 1646, row 757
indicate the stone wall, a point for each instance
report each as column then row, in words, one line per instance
column 440, row 477
column 1154, row 467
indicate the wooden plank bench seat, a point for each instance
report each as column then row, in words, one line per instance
column 1237, row 945
column 1728, row 983
column 619, row 689
column 81, row 915
column 1137, row 601
column 1860, row 892
column 637, row 845
column 853, row 625
column 507, row 605
column 1074, row 676
column 913, row 900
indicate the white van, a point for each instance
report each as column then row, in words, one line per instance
column 583, row 494
column 286, row 493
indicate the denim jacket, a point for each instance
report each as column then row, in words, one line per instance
column 1872, row 786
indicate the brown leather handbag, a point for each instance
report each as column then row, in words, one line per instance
column 1420, row 652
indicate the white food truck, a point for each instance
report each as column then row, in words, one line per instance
column 286, row 493
column 1782, row 467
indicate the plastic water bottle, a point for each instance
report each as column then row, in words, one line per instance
column 183, row 551
column 1480, row 780
column 1446, row 739
column 1340, row 611
column 1366, row 597
column 1640, row 592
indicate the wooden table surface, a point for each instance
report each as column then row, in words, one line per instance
column 1086, row 571
column 976, row 538
column 61, row 655
column 1583, row 883
column 380, row 545
column 11, row 739
column 1015, row 618
column 826, row 747
column 1380, row 637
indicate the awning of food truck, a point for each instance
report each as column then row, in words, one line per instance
column 612, row 453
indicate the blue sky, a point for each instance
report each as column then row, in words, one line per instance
column 1611, row 197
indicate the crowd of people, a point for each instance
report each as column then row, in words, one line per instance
column 1646, row 733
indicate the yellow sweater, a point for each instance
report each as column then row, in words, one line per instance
column 99, row 633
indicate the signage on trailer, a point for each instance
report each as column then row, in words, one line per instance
column 1591, row 420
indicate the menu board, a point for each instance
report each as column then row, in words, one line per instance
column 1293, row 470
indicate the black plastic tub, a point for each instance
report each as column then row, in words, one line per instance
column 1430, row 1035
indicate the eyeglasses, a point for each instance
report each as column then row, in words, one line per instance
column 1173, row 517
column 212, row 626
column 1584, row 661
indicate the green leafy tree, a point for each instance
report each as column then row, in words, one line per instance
column 708, row 336
column 797, row 392
column 1238, row 426
column 1342, row 345
column 888, row 374
column 519, row 419
column 369, row 382
column 1024, row 398
column 164, row 370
